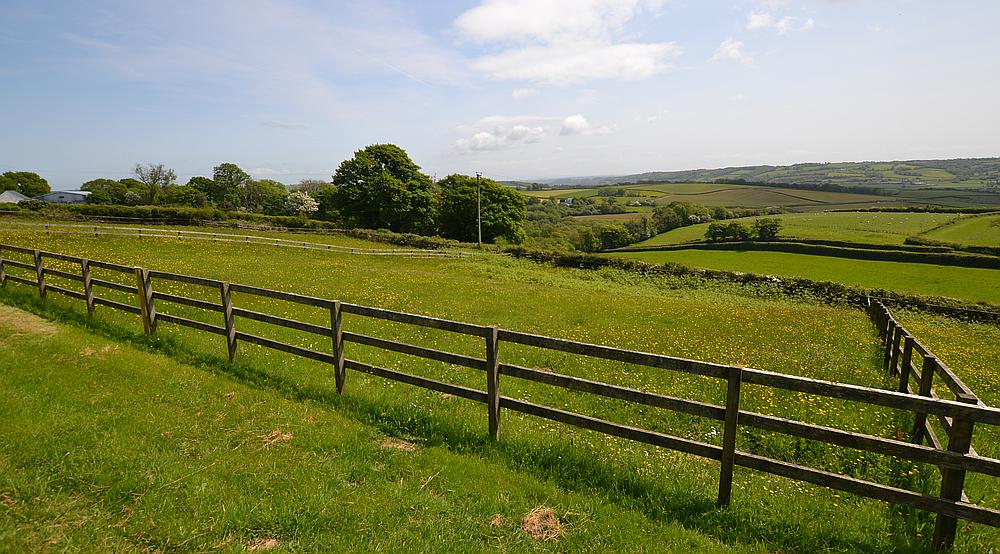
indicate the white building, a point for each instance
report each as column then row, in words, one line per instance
column 65, row 196
column 12, row 197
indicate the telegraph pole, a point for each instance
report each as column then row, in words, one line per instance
column 479, row 209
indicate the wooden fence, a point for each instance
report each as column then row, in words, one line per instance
column 181, row 234
column 959, row 416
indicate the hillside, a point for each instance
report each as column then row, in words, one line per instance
column 971, row 173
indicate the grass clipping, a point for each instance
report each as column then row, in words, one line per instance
column 542, row 524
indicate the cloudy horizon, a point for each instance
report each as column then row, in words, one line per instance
column 515, row 89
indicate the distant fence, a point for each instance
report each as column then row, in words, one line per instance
column 959, row 415
column 180, row 234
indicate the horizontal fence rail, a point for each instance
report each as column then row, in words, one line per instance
column 956, row 416
column 152, row 232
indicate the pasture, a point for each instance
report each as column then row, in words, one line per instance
column 971, row 284
column 724, row 323
column 859, row 227
column 980, row 230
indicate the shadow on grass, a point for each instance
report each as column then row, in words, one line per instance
column 558, row 462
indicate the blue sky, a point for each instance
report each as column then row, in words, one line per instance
column 515, row 89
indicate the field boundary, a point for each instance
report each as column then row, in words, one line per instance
column 179, row 234
column 957, row 416
column 976, row 261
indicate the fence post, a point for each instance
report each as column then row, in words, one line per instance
column 894, row 356
column 926, row 381
column 493, row 380
column 88, row 286
column 39, row 271
column 890, row 333
column 3, row 272
column 227, row 314
column 337, row 334
column 735, row 380
column 904, row 367
column 144, row 289
column 953, row 480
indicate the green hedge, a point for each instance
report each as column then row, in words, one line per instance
column 864, row 253
column 825, row 291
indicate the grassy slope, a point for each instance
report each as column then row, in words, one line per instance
column 970, row 231
column 718, row 323
column 109, row 448
column 862, row 227
column 976, row 285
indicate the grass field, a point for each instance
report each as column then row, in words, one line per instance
column 798, row 200
column 972, row 284
column 679, row 316
column 860, row 227
column 969, row 231
column 127, row 450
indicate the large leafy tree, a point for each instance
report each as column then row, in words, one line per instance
column 503, row 210
column 227, row 181
column 381, row 187
column 154, row 178
column 264, row 196
column 25, row 182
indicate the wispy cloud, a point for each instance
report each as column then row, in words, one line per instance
column 731, row 49
column 563, row 42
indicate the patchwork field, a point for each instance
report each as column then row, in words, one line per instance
column 860, row 227
column 969, row 231
column 684, row 317
column 971, row 284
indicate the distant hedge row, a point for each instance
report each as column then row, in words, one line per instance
column 825, row 291
column 864, row 253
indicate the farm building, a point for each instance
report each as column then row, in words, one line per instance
column 12, row 197
column 65, row 196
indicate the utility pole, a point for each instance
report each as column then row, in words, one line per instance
column 479, row 208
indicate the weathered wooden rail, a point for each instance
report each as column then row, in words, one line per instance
column 958, row 416
column 182, row 234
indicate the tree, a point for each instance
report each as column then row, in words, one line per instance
column 326, row 195
column 381, row 187
column 25, row 182
column 503, row 210
column 733, row 231
column 766, row 228
column 178, row 195
column 227, row 180
column 613, row 235
column 154, row 178
column 300, row 203
column 264, row 196
column 104, row 191
column 716, row 232
column 312, row 186
column 201, row 184
column 665, row 219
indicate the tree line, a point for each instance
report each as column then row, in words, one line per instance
column 380, row 187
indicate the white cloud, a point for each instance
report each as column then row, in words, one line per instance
column 498, row 132
column 575, row 64
column 522, row 93
column 732, row 50
column 739, row 97
column 562, row 42
column 759, row 20
column 767, row 18
column 578, row 125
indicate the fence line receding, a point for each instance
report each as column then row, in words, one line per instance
column 954, row 456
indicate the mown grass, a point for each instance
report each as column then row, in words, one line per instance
column 969, row 231
column 972, row 284
column 861, row 227
column 711, row 321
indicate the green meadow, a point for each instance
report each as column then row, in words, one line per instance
column 609, row 494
